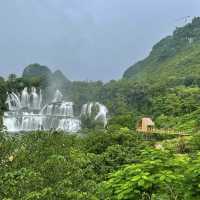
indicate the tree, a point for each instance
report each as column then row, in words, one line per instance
column 154, row 177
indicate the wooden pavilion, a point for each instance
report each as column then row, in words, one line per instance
column 145, row 125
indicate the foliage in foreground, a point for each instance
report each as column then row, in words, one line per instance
column 44, row 165
column 117, row 164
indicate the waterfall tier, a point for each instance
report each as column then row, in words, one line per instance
column 95, row 110
column 26, row 113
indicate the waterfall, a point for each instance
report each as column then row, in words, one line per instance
column 11, row 123
column 87, row 109
column 13, row 102
column 90, row 108
column 31, row 122
column 35, row 99
column 102, row 111
column 66, row 109
column 27, row 114
column 40, row 101
column 49, row 110
column 84, row 109
column 102, row 114
column 25, row 103
column 58, row 96
column 70, row 125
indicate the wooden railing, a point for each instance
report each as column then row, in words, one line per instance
column 164, row 131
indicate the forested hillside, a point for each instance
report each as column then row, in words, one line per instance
column 174, row 57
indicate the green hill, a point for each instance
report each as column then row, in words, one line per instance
column 174, row 57
column 42, row 73
column 36, row 70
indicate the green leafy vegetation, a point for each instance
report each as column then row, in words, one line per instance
column 109, row 164
column 116, row 162
column 45, row 165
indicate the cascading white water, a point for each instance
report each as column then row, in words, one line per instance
column 58, row 97
column 102, row 111
column 35, row 99
column 87, row 109
column 13, row 102
column 90, row 108
column 11, row 122
column 49, row 110
column 40, row 99
column 66, row 109
column 102, row 114
column 31, row 122
column 25, row 98
column 69, row 125
column 26, row 112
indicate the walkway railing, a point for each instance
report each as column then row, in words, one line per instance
column 165, row 131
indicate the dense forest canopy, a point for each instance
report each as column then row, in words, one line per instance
column 115, row 162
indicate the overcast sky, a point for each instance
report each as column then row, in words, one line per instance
column 86, row 39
